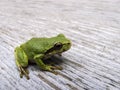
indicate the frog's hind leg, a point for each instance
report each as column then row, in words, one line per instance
column 21, row 61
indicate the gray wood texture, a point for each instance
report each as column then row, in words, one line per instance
column 93, row 62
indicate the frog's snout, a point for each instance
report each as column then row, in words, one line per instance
column 66, row 47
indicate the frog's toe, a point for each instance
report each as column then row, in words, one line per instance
column 50, row 69
column 21, row 75
column 56, row 68
column 54, row 72
column 23, row 72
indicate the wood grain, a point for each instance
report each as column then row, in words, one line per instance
column 93, row 62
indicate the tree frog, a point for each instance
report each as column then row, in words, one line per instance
column 38, row 49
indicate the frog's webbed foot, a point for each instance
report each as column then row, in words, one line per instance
column 24, row 71
column 53, row 68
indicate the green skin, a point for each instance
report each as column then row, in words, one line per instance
column 38, row 49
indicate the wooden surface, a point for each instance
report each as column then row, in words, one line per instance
column 93, row 62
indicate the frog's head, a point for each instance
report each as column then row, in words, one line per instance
column 59, row 44
column 62, row 43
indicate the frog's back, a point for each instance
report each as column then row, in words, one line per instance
column 35, row 46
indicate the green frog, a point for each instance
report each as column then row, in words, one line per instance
column 38, row 49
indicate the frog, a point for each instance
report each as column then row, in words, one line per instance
column 38, row 49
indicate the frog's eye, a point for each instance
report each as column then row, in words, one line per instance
column 58, row 46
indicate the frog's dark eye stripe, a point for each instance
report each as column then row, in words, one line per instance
column 58, row 46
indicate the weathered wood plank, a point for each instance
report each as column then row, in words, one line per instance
column 93, row 62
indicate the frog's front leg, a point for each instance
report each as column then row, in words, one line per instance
column 43, row 66
column 21, row 61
